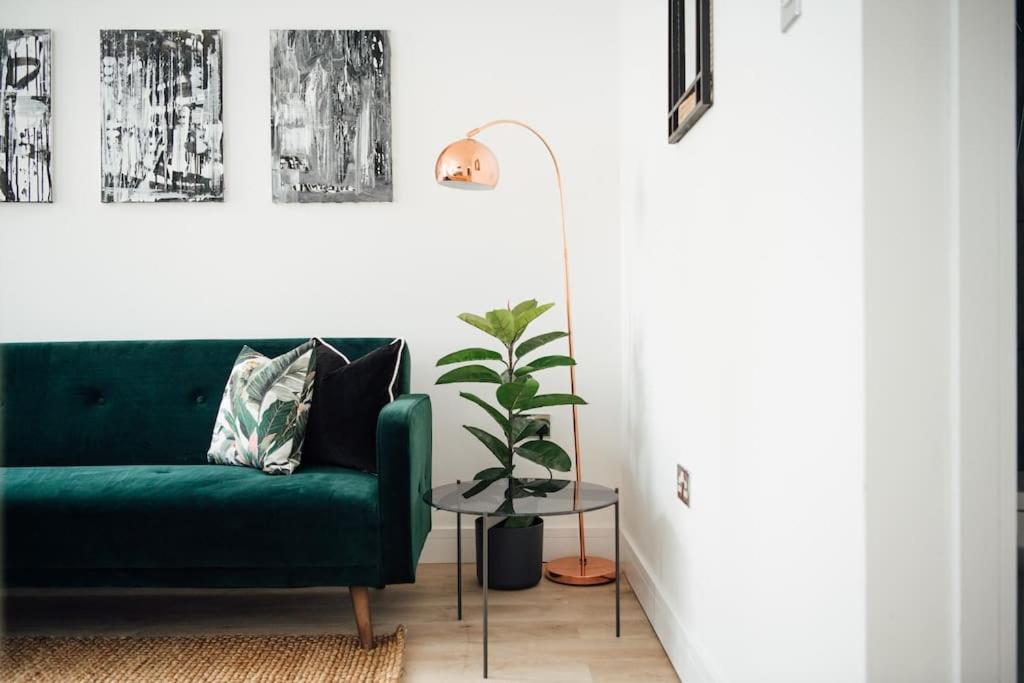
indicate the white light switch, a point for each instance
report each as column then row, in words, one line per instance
column 790, row 11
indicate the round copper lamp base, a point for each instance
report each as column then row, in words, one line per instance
column 572, row 572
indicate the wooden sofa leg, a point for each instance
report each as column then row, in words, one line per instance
column 361, row 608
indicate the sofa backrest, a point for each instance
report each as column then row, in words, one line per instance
column 125, row 402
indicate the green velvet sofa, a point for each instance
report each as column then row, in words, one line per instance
column 105, row 480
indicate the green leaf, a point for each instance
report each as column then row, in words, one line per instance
column 512, row 394
column 518, row 491
column 526, row 317
column 546, row 485
column 545, row 400
column 493, row 412
column 246, row 423
column 546, row 453
column 469, row 354
column 524, row 427
column 246, row 420
column 494, row 444
column 470, row 373
column 280, row 439
column 504, row 325
column 524, row 306
column 275, row 418
column 543, row 363
column 477, row 322
column 490, row 474
column 280, row 371
column 534, row 343
column 477, row 488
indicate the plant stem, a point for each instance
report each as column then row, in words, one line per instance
column 511, row 429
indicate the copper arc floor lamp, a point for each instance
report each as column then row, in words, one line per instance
column 468, row 164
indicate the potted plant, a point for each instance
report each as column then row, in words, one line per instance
column 516, row 543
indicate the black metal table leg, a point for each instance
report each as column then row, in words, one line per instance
column 618, row 571
column 486, row 562
column 458, row 556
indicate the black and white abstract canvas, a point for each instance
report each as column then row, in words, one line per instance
column 163, row 130
column 25, row 115
column 330, row 116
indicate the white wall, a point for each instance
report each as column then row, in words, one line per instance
column 940, row 353
column 985, row 340
column 909, row 316
column 78, row 269
column 744, row 346
column 820, row 308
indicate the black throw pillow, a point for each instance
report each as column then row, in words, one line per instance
column 347, row 398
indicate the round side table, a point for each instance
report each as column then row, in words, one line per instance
column 518, row 497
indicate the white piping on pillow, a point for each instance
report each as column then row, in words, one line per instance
column 398, row 363
column 321, row 340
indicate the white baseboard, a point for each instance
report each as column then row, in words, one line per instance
column 558, row 542
column 687, row 657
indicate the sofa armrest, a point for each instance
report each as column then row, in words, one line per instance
column 404, row 443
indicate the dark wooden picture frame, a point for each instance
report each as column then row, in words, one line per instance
column 688, row 96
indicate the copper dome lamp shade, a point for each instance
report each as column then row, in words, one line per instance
column 468, row 164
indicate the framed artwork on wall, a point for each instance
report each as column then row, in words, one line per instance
column 163, row 130
column 330, row 109
column 689, row 64
column 25, row 115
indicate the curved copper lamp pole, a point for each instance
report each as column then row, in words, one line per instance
column 471, row 165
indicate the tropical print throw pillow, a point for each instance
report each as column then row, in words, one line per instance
column 262, row 418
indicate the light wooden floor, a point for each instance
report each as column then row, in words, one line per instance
column 548, row 633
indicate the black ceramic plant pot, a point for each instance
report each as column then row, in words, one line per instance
column 515, row 555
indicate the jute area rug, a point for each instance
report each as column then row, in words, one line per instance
column 224, row 659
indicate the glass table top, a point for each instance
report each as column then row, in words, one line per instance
column 514, row 497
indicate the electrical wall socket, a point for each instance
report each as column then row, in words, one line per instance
column 545, row 431
column 683, row 485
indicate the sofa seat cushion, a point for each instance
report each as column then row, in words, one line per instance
column 181, row 516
